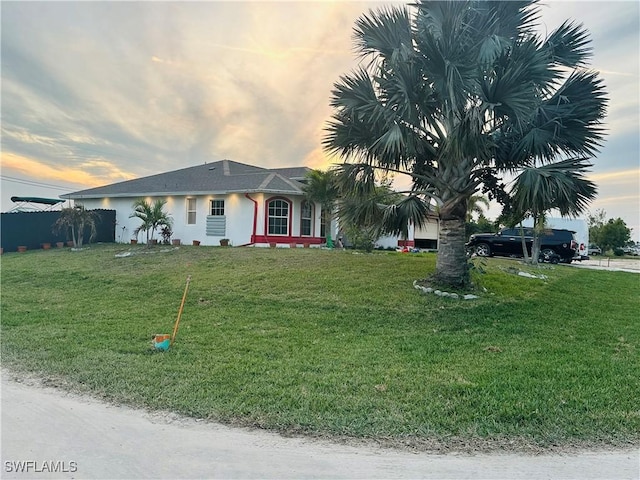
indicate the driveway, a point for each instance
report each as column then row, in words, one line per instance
column 45, row 429
column 612, row 264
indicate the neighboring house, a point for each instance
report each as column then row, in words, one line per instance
column 425, row 237
column 248, row 205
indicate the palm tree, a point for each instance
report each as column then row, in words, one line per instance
column 559, row 186
column 367, row 214
column 152, row 216
column 320, row 187
column 457, row 93
column 77, row 219
column 474, row 206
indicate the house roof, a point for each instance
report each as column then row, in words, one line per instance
column 224, row 176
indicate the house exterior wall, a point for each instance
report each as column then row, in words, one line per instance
column 427, row 235
column 245, row 214
column 423, row 237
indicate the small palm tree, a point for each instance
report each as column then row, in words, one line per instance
column 152, row 216
column 77, row 219
column 321, row 188
column 474, row 206
column 365, row 203
column 559, row 186
column 367, row 211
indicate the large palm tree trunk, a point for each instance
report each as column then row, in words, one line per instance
column 451, row 262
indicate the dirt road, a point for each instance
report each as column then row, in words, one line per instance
column 45, row 430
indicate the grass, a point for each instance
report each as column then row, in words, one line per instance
column 335, row 344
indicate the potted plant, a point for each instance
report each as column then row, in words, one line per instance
column 134, row 241
column 60, row 244
column 175, row 242
column 306, row 245
column 165, row 233
column 224, row 242
column 22, row 248
column 272, row 244
column 46, row 246
column 196, row 243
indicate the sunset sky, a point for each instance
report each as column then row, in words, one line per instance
column 99, row 92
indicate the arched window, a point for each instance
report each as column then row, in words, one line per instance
column 278, row 217
column 306, row 219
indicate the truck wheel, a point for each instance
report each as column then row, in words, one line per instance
column 483, row 250
column 548, row 252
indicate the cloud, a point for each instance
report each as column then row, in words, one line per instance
column 624, row 176
column 90, row 174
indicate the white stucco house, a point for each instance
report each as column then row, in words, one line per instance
column 246, row 204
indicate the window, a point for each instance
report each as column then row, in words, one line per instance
column 278, row 219
column 216, row 220
column 217, row 208
column 515, row 232
column 306, row 213
column 191, row 211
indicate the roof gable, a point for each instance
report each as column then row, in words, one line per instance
column 224, row 176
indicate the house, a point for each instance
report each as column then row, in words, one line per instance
column 424, row 237
column 246, row 204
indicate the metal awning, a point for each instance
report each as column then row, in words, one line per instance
column 34, row 204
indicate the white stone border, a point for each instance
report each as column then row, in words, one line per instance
column 440, row 293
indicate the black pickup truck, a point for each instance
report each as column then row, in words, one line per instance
column 508, row 242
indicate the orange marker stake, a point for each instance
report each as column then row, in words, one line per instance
column 184, row 297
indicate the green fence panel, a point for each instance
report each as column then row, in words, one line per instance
column 32, row 229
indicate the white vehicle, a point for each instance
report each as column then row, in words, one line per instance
column 594, row 250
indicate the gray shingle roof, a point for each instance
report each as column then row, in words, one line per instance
column 224, row 176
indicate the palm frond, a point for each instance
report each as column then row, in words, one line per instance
column 569, row 45
column 356, row 180
column 321, row 187
column 500, row 22
column 386, row 31
column 410, row 209
column 560, row 185
column 574, row 114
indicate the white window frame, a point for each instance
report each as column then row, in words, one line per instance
column 286, row 217
column 217, row 209
column 307, row 204
column 191, row 211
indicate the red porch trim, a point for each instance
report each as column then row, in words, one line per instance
column 406, row 243
column 288, row 239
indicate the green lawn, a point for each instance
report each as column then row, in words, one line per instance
column 334, row 343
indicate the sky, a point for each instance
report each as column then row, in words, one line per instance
column 94, row 93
